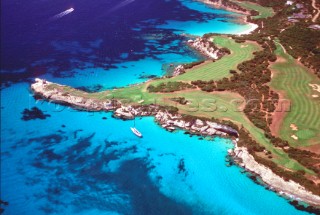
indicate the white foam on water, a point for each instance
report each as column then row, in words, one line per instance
column 62, row 14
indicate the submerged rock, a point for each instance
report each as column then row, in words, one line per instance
column 33, row 113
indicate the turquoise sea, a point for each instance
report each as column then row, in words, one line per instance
column 75, row 162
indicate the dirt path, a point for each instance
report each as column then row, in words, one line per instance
column 314, row 19
column 284, row 50
column 279, row 114
column 280, row 111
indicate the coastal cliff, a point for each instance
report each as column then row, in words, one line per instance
column 207, row 48
column 42, row 88
column 172, row 121
column 64, row 95
column 289, row 188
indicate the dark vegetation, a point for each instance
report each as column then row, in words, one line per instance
column 298, row 176
column 245, row 140
column 230, row 4
column 169, row 87
column 252, row 83
column 222, row 51
column 267, row 3
column 306, row 158
column 170, row 109
column 191, row 65
column 180, row 100
column 299, row 40
column 304, row 43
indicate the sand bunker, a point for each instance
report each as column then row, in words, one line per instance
column 315, row 87
column 294, row 137
column 315, row 96
column 294, row 127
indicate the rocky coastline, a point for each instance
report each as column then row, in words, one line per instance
column 206, row 47
column 169, row 121
column 179, row 70
column 172, row 121
column 289, row 189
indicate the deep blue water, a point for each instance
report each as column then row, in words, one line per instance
column 101, row 38
column 74, row 162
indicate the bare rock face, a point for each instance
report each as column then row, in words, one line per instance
column 167, row 120
column 205, row 47
column 287, row 188
column 199, row 123
column 179, row 70
column 41, row 87
column 124, row 112
column 207, row 128
column 170, row 121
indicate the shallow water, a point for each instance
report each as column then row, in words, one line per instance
column 76, row 162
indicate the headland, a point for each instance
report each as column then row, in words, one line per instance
column 275, row 159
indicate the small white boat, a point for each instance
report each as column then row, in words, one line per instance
column 136, row 132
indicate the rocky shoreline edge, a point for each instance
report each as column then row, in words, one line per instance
column 169, row 121
column 205, row 47
column 288, row 189
column 172, row 121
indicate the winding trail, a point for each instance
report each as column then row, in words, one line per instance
column 314, row 19
column 284, row 50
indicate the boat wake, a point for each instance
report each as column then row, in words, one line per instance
column 62, row 14
column 120, row 5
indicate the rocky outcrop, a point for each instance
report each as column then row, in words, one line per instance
column 205, row 47
column 179, row 70
column 289, row 188
column 67, row 96
column 197, row 126
column 42, row 88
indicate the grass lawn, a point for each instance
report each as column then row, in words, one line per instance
column 294, row 79
column 221, row 68
column 264, row 12
column 221, row 103
column 217, row 104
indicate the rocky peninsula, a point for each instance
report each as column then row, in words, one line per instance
column 171, row 121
